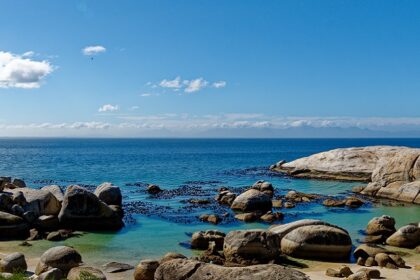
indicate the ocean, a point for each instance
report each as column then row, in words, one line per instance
column 186, row 168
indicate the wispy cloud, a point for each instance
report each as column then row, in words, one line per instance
column 108, row 108
column 219, row 84
column 20, row 71
column 195, row 85
column 93, row 50
column 187, row 86
column 174, row 84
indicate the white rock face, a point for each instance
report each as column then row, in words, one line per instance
column 392, row 172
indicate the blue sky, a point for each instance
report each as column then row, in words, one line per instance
column 210, row 68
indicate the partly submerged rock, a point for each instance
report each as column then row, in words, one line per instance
column 252, row 200
column 201, row 239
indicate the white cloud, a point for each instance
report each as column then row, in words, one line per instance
column 188, row 86
column 108, row 108
column 19, row 71
column 133, row 108
column 93, row 50
column 174, row 84
column 219, row 84
column 195, row 85
column 146, row 94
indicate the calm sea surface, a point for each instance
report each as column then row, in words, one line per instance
column 200, row 164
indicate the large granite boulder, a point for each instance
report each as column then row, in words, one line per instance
column 313, row 239
column 252, row 200
column 181, row 269
column 109, row 194
column 251, row 247
column 407, row 236
column 12, row 226
column 40, row 202
column 13, row 263
column 392, row 172
column 61, row 257
column 83, row 210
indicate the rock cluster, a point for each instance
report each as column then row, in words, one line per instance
column 371, row 255
column 392, row 172
column 43, row 213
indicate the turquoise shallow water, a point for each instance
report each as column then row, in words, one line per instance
column 173, row 163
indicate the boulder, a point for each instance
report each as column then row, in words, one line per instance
column 225, row 197
column 114, row 267
column 360, row 275
column 19, row 183
column 61, row 257
column 264, row 186
column 353, row 202
column 145, row 270
column 248, row 217
column 47, row 222
column 289, row 204
column 154, row 189
column 271, row 217
column 383, row 226
column 407, row 237
column 19, row 198
column 6, row 202
column 53, row 274
column 329, row 202
column 171, row 256
column 13, row 262
column 201, row 239
column 40, row 202
column 252, row 200
column 12, row 226
column 85, row 272
column 83, row 210
column 283, row 230
column 213, row 219
column 372, row 273
column 109, row 194
column 277, row 203
column 56, row 191
column 251, row 246
column 368, row 250
column 181, row 269
column 317, row 242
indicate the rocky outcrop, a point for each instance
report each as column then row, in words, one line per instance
column 265, row 187
column 251, row 247
column 313, row 239
column 83, row 210
column 181, row 269
column 392, row 172
column 252, row 200
column 40, row 202
column 371, row 255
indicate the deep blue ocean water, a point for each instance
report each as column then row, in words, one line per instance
column 171, row 163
